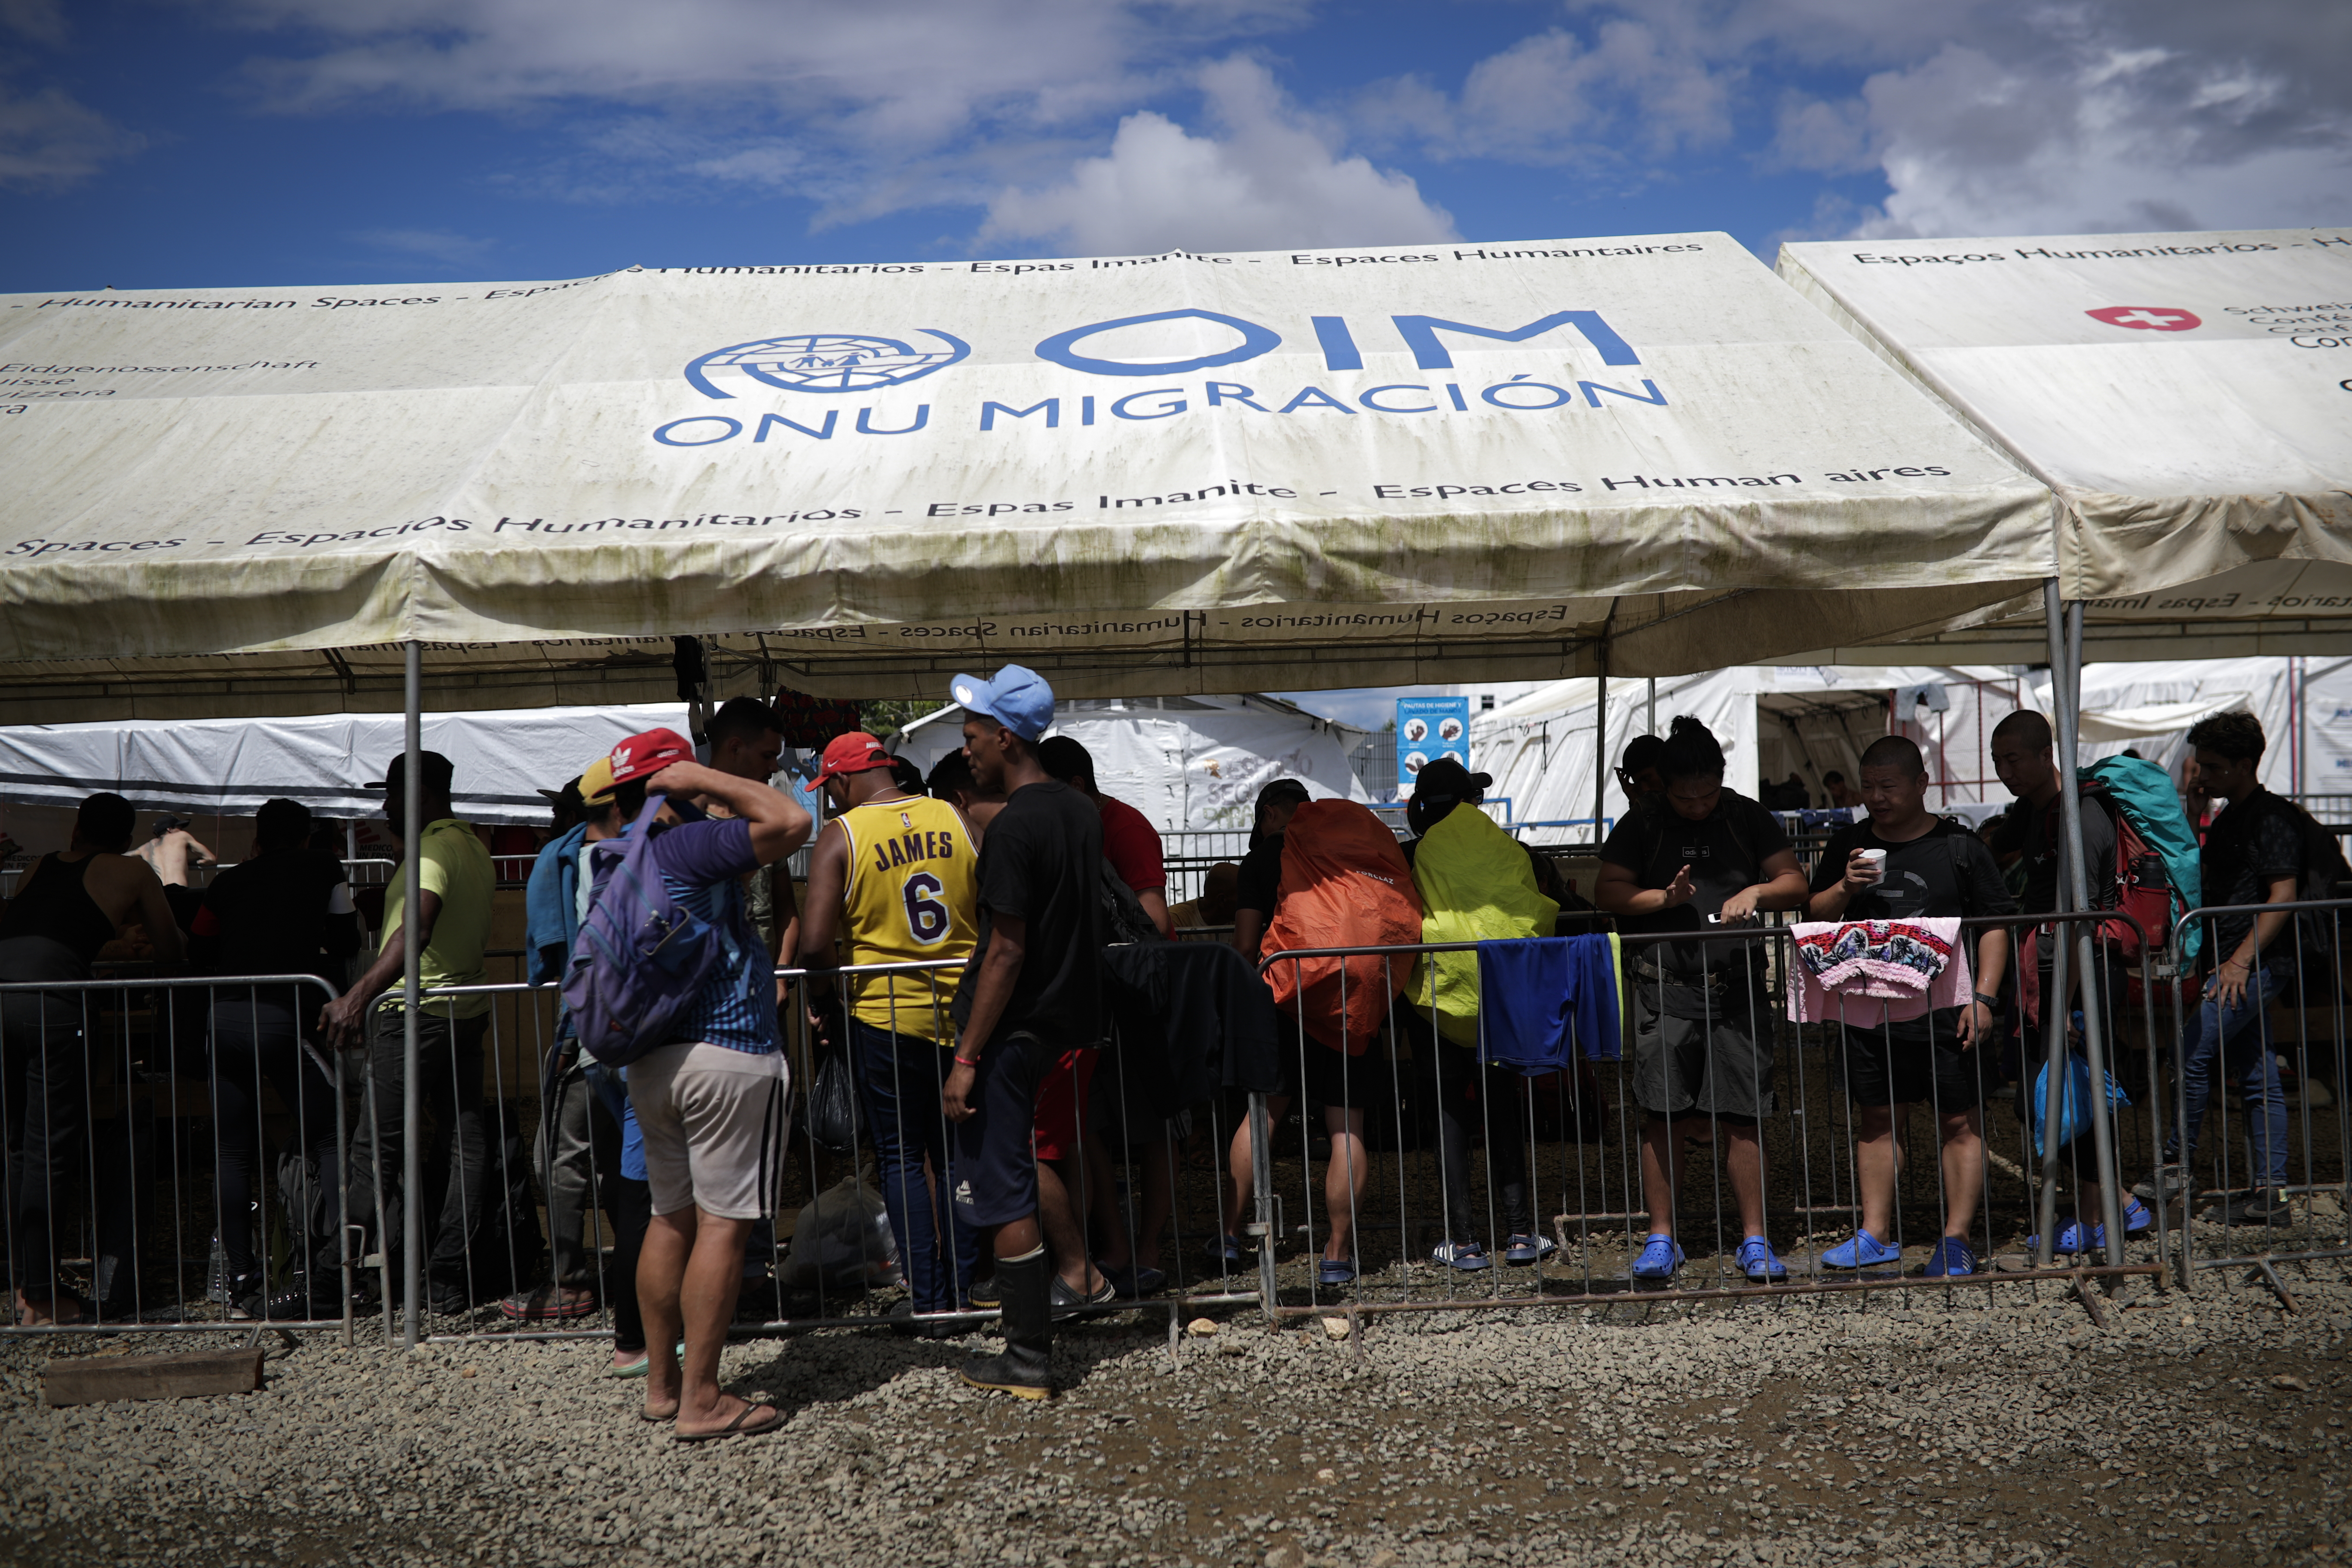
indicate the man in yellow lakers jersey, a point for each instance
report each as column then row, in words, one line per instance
column 895, row 874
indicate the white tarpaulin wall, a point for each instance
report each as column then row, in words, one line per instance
column 1140, row 475
column 2184, row 394
column 1805, row 719
column 2304, row 706
column 1191, row 763
column 229, row 768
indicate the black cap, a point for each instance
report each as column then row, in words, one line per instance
column 1446, row 779
column 437, row 772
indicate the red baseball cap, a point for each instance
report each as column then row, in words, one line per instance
column 643, row 756
column 855, row 752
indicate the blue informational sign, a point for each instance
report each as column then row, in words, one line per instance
column 1428, row 728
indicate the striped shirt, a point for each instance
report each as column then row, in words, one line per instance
column 700, row 865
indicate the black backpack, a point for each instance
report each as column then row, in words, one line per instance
column 2325, row 874
column 1120, row 911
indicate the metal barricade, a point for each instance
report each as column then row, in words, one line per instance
column 2284, row 1178
column 1115, row 1175
column 1432, row 1223
column 138, row 1117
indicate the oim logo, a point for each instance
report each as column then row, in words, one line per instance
column 825, row 362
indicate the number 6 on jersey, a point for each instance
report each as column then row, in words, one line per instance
column 927, row 920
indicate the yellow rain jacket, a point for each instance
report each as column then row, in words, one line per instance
column 1476, row 885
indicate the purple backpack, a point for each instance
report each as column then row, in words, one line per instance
column 641, row 958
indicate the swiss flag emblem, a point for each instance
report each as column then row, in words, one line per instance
column 2146, row 318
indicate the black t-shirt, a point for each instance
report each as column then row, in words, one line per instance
column 1946, row 872
column 1040, row 861
column 1725, row 853
column 2250, row 846
column 1258, row 885
column 285, row 912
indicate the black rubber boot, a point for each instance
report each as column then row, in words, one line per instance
column 1024, row 1369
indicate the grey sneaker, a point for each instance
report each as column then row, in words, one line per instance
column 2164, row 1185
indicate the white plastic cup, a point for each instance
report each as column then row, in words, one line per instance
column 1876, row 860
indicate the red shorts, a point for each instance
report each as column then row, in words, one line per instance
column 1061, row 1103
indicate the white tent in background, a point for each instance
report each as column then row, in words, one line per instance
column 1775, row 720
column 1772, row 720
column 1191, row 763
column 228, row 767
column 2304, row 706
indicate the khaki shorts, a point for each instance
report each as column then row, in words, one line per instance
column 713, row 1123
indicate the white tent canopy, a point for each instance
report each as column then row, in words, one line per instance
column 2183, row 394
column 1189, row 763
column 228, row 767
column 1140, row 475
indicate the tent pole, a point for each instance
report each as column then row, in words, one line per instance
column 1650, row 726
column 2094, row 994
column 2053, row 1009
column 411, row 832
column 1600, row 746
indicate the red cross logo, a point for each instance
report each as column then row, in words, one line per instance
column 2146, row 318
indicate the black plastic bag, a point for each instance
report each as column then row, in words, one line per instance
column 833, row 1105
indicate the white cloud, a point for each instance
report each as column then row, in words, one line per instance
column 1982, row 116
column 427, row 243
column 1636, row 88
column 2103, row 138
column 1271, row 178
column 865, row 107
column 49, row 141
column 43, row 21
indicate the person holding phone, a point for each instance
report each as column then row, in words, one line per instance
column 1702, row 1046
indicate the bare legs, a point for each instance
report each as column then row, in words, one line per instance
column 1962, row 1135
column 1345, row 1176
column 688, row 1278
column 1662, row 1142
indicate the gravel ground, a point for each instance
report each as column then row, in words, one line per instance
column 1994, row 1426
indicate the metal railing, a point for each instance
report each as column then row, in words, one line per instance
column 2292, row 1164
column 135, row 1115
column 1560, row 1142
column 1443, row 1127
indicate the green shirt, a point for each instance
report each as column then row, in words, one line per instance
column 456, row 869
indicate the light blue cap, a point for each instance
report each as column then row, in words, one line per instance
column 1017, row 698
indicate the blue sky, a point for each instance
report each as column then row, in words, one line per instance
column 163, row 142
column 150, row 143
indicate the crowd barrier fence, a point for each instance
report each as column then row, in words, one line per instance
column 1442, row 1136
column 1433, row 1225
column 134, row 1112
column 2308, row 988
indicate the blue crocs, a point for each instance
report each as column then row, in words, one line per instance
column 1759, row 1262
column 2071, row 1239
column 2071, row 1242
column 1223, row 1248
column 1950, row 1260
column 1865, row 1251
column 1335, row 1271
column 1660, row 1257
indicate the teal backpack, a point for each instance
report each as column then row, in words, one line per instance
column 2157, row 875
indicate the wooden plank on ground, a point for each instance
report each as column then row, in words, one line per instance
column 97, row 1379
